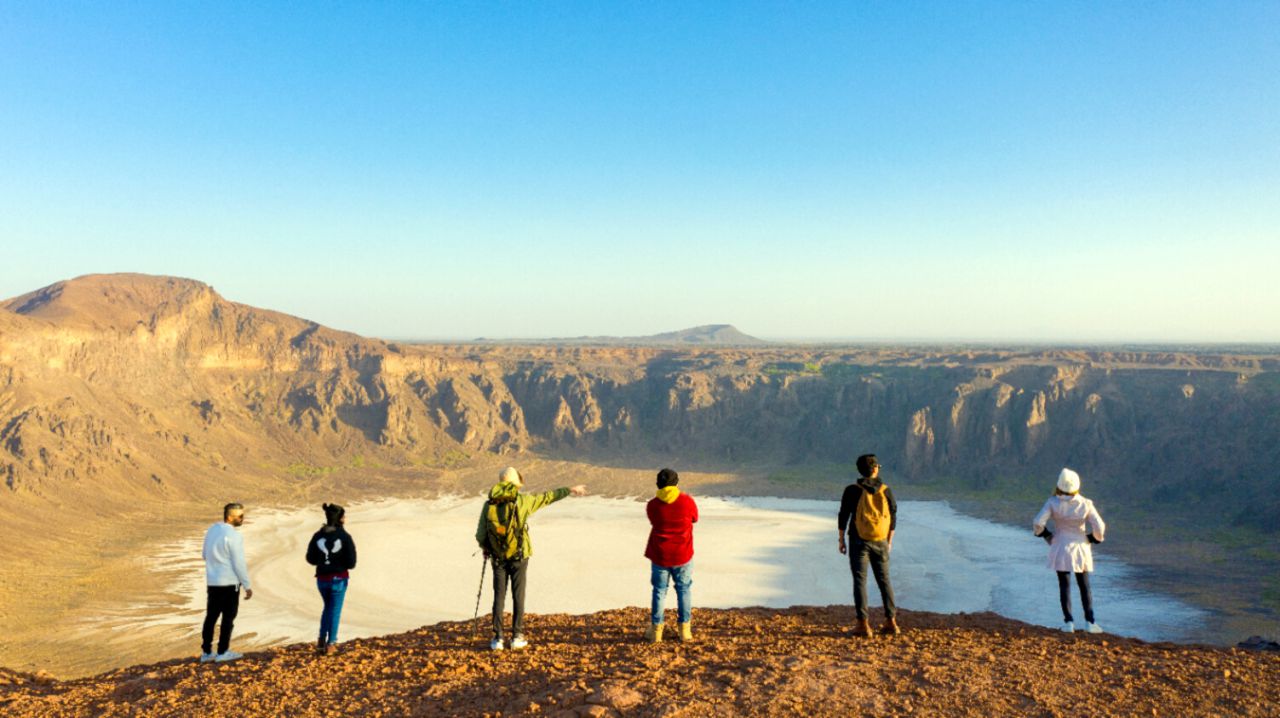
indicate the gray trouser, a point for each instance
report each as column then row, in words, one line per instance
column 516, row 572
column 877, row 554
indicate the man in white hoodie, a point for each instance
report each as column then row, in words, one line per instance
column 225, row 572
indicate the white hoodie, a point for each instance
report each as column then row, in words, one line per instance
column 224, row 556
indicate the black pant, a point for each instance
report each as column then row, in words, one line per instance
column 223, row 601
column 877, row 554
column 516, row 572
column 1064, row 594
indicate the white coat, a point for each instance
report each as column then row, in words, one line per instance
column 1073, row 517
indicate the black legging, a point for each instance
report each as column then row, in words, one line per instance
column 1064, row 593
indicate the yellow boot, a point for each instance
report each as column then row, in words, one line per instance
column 654, row 634
column 686, row 634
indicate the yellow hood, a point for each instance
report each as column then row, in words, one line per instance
column 669, row 494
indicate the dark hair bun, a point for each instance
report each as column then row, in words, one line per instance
column 332, row 513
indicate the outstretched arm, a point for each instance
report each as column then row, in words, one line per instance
column 546, row 498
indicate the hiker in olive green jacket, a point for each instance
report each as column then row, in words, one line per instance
column 503, row 535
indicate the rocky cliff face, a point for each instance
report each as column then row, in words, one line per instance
column 129, row 385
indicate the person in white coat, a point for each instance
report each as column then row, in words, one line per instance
column 1077, row 524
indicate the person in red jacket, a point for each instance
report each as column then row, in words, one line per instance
column 670, row 548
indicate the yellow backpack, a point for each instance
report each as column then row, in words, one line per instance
column 872, row 517
column 503, row 534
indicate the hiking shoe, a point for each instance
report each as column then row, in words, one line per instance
column 495, row 644
column 654, row 634
column 228, row 656
column 890, row 628
column 206, row 657
column 863, row 629
column 518, row 642
column 331, row 649
column 686, row 632
column 1068, row 627
column 1093, row 628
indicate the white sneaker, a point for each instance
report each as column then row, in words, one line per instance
column 495, row 644
column 206, row 657
column 1068, row 627
column 228, row 656
column 1094, row 628
column 518, row 642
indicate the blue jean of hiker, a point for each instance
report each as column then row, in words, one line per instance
column 333, row 592
column 660, row 577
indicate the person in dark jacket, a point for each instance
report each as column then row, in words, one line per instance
column 670, row 549
column 869, row 505
column 333, row 552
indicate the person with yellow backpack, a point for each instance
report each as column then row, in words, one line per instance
column 503, row 535
column 869, row 511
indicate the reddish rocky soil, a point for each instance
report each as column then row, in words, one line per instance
column 755, row 662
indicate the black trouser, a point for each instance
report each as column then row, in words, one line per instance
column 877, row 554
column 515, row 571
column 223, row 601
column 1064, row 593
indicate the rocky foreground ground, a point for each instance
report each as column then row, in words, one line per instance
column 753, row 662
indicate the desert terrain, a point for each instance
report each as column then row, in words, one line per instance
column 749, row 661
column 132, row 407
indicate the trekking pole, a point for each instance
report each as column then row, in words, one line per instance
column 479, row 591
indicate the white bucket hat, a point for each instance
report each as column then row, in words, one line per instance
column 1068, row 481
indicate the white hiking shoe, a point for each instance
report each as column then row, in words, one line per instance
column 495, row 644
column 206, row 657
column 1068, row 627
column 1094, row 628
column 228, row 656
column 518, row 642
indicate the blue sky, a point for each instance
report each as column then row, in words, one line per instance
column 952, row 171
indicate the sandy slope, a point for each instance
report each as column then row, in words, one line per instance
column 765, row 662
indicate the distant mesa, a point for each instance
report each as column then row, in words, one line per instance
column 718, row 335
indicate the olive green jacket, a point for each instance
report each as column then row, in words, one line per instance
column 526, row 504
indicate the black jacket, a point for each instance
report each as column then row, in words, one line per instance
column 331, row 550
column 849, row 504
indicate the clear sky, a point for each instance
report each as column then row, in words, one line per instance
column 1083, row 171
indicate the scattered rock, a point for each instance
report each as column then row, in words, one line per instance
column 1258, row 643
column 615, row 694
column 954, row 666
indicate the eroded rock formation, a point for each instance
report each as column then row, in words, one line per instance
column 130, row 384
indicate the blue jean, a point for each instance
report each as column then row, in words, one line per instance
column 660, row 576
column 333, row 592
